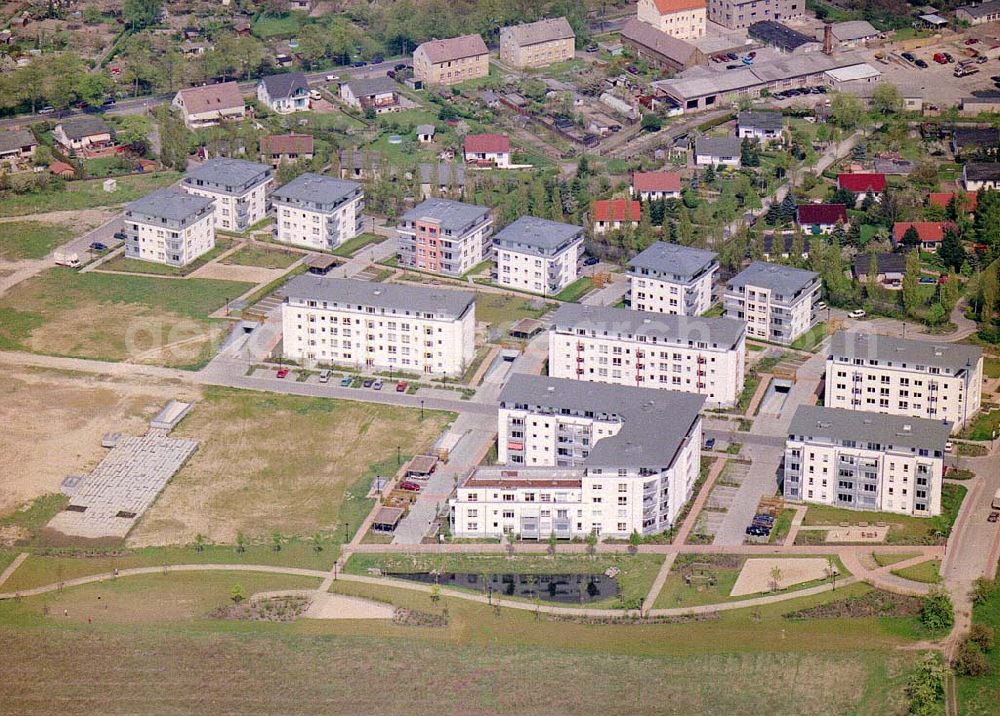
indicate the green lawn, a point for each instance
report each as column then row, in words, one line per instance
column 636, row 572
column 262, row 257
column 977, row 696
column 121, row 263
column 991, row 367
column 903, row 529
column 501, row 310
column 270, row 26
column 31, row 239
column 811, row 339
column 983, row 426
column 114, row 317
column 349, row 248
column 928, row 572
column 884, row 559
column 86, row 194
column 576, row 290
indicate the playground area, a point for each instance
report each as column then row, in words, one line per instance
column 772, row 574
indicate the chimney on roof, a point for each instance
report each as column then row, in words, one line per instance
column 828, row 39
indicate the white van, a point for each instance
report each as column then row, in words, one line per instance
column 324, row 376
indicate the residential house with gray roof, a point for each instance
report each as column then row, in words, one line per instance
column 537, row 255
column 444, row 236
column 776, row 302
column 241, row 190
column 318, row 212
column 169, row 226
column 670, row 278
column 285, row 93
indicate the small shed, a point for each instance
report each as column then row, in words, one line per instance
column 425, row 133
column 386, row 519
column 320, row 264
column 526, row 328
column 110, row 185
column 421, row 466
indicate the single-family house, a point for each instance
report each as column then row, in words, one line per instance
column 931, row 233
column 377, row 94
column 487, row 150
column 285, row 93
column 650, row 186
column 16, row 146
column 716, row 151
column 765, row 127
column 889, row 269
column 83, row 136
column 278, row 149
column 612, row 214
column 981, row 175
column 975, row 141
column 862, row 185
column 943, row 199
column 209, row 105
column 821, row 218
column 451, row 61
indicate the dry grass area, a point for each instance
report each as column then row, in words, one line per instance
column 269, row 462
column 53, row 423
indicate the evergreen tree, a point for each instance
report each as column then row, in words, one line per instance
column 952, row 252
column 787, row 209
column 987, row 223
column 911, row 238
column 749, row 152
column 911, row 284
column 710, row 174
column 657, row 211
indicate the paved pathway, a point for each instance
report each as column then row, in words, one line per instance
column 793, row 531
column 699, row 500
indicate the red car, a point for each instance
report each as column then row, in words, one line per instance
column 409, row 486
column 401, row 386
column 282, row 372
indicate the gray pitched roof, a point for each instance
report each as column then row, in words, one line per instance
column 718, row 146
column 424, row 129
column 898, row 431
column 885, row 263
column 770, row 121
column 853, row 30
column 985, row 137
column 654, row 422
column 981, row 9
column 532, row 33
column 369, row 87
column 534, row 233
column 444, row 173
column 648, row 36
column 316, row 189
column 451, row 215
column 170, row 204
column 80, row 127
column 782, row 280
column 982, row 171
column 658, row 327
column 781, row 36
column 284, row 85
column 402, row 298
column 681, row 262
column 17, row 138
column 949, row 357
column 228, row 172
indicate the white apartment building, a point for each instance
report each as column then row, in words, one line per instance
column 378, row 326
column 579, row 459
column 318, row 212
column 537, row 255
column 776, row 302
column 240, row 189
column 882, row 374
column 670, row 278
column 444, row 236
column 681, row 353
column 884, row 463
column 169, row 227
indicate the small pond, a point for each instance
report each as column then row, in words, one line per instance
column 565, row 588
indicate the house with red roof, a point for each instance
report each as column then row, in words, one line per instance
column 487, row 150
column 931, row 233
column 650, row 186
column 821, row 218
column 612, row 214
column 862, row 185
column 943, row 199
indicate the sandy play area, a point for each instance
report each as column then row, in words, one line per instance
column 337, row 606
column 857, row 534
column 755, row 577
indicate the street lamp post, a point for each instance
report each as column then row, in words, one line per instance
column 346, row 530
column 398, row 458
column 421, row 409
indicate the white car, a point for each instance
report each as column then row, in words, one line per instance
column 856, row 313
column 331, row 78
column 821, row 306
column 315, row 95
column 948, row 446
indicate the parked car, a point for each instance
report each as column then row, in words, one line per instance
column 47, row 109
column 972, row 41
column 921, row 64
column 710, row 444
column 324, row 376
column 856, row 313
column 359, row 63
column 331, row 78
column 632, row 69
column 346, row 381
column 732, row 56
column 994, row 516
column 409, row 486
column 982, row 60
column 927, row 279
column 378, row 60
column 98, row 246
column 948, row 446
column 401, row 386
column 591, row 261
column 282, row 372
column 821, row 306
column 377, row 385
column 591, row 48
column 939, row 58
column 109, row 102
column 315, row 95
column 369, row 382
column 400, row 66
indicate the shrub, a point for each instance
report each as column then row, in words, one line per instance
column 937, row 612
column 970, row 661
column 982, row 636
column 982, row 590
column 925, row 687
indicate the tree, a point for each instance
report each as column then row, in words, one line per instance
column 435, row 593
column 551, row 549
column 987, row 223
column 749, row 152
column 651, row 122
column 199, row 542
column 276, row 541
column 983, row 636
column 952, row 252
column 846, row 111
column 989, row 289
column 911, row 284
column 141, row 13
column 133, row 131
column 241, row 542
column 970, row 660
column 776, row 577
column 911, row 238
column 592, row 543
column 925, row 687
column 937, row 612
column 317, row 542
column 886, row 99
column 237, row 594
column 845, row 197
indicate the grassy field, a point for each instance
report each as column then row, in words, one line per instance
column 114, row 317
column 120, row 263
column 84, row 194
column 349, row 248
column 903, row 529
column 928, row 572
column 983, row 426
column 811, row 339
column 991, row 367
column 884, row 559
column 977, row 696
column 576, row 290
column 636, row 572
column 249, row 475
column 30, row 239
column 501, row 310
column 262, row 257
